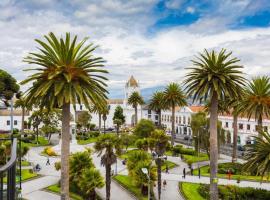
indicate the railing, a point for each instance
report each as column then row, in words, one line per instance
column 9, row 170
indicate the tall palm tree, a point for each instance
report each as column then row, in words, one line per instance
column 256, row 100
column 104, row 112
column 174, row 96
column 20, row 103
column 214, row 76
column 160, row 143
column 98, row 109
column 258, row 154
column 135, row 99
column 157, row 103
column 68, row 73
column 90, row 180
column 109, row 146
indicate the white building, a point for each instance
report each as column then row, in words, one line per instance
column 5, row 119
column 246, row 128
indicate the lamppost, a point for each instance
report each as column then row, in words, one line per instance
column 147, row 173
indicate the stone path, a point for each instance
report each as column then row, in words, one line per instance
column 34, row 188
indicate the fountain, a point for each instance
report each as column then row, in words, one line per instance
column 74, row 146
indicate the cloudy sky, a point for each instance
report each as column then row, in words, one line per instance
column 150, row 39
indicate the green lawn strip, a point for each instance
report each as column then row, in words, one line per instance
column 127, row 183
column 190, row 191
column 194, row 159
column 26, row 175
column 56, row 189
column 88, row 141
column 168, row 153
column 205, row 172
column 25, row 163
column 169, row 164
column 42, row 142
column 125, row 155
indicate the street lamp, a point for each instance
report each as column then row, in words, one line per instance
column 147, row 173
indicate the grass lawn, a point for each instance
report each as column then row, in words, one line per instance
column 190, row 191
column 194, row 159
column 205, row 169
column 168, row 153
column 26, row 175
column 125, row 155
column 25, row 163
column 170, row 165
column 56, row 189
column 88, row 141
column 127, row 183
column 42, row 142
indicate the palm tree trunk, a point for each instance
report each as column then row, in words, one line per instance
column 159, row 118
column 108, row 181
column 65, row 152
column 99, row 122
column 213, row 147
column 92, row 195
column 37, row 133
column 159, row 176
column 234, row 156
column 173, row 125
column 260, row 126
column 22, row 127
column 104, row 126
column 136, row 115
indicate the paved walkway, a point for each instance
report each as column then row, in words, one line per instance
column 34, row 188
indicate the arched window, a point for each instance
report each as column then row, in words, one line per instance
column 184, row 120
column 188, row 120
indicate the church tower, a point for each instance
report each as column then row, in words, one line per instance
column 131, row 86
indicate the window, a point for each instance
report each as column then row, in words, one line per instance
column 180, row 120
column 156, row 117
column 189, row 120
column 149, row 112
column 80, row 107
column 227, row 124
column 15, row 122
column 176, row 119
column 248, row 127
column 8, row 122
column 184, row 120
column 241, row 126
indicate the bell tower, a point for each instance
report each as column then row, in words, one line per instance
column 131, row 86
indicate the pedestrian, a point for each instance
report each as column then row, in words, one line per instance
column 164, row 184
column 229, row 174
column 167, row 169
column 184, row 173
column 191, row 171
column 199, row 172
column 48, row 161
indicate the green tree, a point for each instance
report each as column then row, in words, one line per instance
column 198, row 122
column 258, row 154
column 135, row 99
column 68, row 73
column 135, row 162
column 90, row 180
column 118, row 118
column 83, row 119
column 157, row 104
column 161, row 141
column 144, row 128
column 127, row 140
column 214, row 76
column 109, row 146
column 36, row 119
column 174, row 96
column 8, row 86
column 256, row 100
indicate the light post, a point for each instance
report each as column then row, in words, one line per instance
column 147, row 173
column 11, row 116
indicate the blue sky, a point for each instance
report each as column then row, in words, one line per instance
column 150, row 39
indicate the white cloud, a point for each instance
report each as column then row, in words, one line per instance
column 190, row 9
column 174, row 4
column 119, row 29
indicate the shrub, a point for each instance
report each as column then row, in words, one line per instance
column 144, row 128
column 57, row 166
column 235, row 168
column 49, row 151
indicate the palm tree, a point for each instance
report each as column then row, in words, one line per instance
column 174, row 96
column 105, row 111
column 98, row 109
column 160, row 143
column 214, row 76
column 157, row 104
column 20, row 103
column 256, row 100
column 90, row 180
column 68, row 73
column 135, row 99
column 109, row 145
column 258, row 154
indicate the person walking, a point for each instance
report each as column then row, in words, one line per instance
column 199, row 172
column 184, row 173
column 48, row 161
column 167, row 169
column 164, row 184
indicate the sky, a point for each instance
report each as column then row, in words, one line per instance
column 151, row 39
